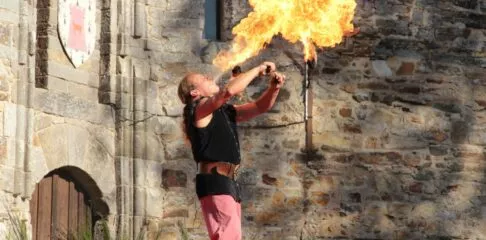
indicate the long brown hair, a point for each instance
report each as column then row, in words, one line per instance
column 184, row 93
column 184, row 90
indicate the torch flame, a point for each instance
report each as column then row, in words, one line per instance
column 321, row 23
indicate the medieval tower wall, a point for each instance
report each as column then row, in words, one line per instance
column 399, row 123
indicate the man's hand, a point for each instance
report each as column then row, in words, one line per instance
column 266, row 65
column 277, row 80
column 264, row 102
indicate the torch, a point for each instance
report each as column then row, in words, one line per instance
column 308, row 105
column 236, row 71
column 308, row 98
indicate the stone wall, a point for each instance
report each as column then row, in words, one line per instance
column 398, row 115
column 59, row 123
column 399, row 131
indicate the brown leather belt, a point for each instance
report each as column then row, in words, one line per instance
column 223, row 168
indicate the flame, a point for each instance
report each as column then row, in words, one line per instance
column 321, row 23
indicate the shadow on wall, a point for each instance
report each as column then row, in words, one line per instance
column 413, row 160
column 397, row 166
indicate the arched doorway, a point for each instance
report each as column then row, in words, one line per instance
column 65, row 204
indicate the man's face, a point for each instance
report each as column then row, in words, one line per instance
column 205, row 85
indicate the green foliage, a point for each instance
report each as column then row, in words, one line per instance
column 183, row 231
column 106, row 230
column 18, row 227
column 84, row 234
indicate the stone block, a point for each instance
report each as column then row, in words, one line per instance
column 169, row 235
column 170, row 101
column 104, row 115
column 13, row 148
column 173, row 178
column 153, row 175
column 390, row 47
column 55, row 44
column 248, row 176
column 449, row 33
column 351, row 128
column 177, row 45
column 139, row 171
column 124, row 169
column 57, row 84
column 381, row 68
column 81, row 91
column 332, row 141
column 373, row 86
column 138, row 52
column 471, row 20
column 175, row 212
column 177, row 150
column 54, row 145
column 23, row 88
column 401, row 142
column 70, row 74
column 182, row 5
column 4, row 80
column 8, row 16
column 9, row 120
column 38, row 162
column 77, row 140
column 361, row 96
column 9, row 53
column 438, row 150
column 139, row 202
column 209, row 52
column 155, row 199
column 269, row 180
column 10, row 5
column 483, row 213
column 144, row 87
column 16, row 118
column 173, row 57
column 66, row 105
column 395, row 27
column 42, row 121
column 7, row 176
column 345, row 112
column 6, row 34
column 476, row 46
column 406, row 68
column 477, row 137
column 460, row 132
column 165, row 127
column 144, row 143
column 468, row 4
column 140, row 19
column 293, row 144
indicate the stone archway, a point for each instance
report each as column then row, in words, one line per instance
column 65, row 204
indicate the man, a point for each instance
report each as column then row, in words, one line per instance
column 210, row 126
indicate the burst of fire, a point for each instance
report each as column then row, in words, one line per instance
column 321, row 23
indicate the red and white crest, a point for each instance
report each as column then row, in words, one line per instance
column 77, row 28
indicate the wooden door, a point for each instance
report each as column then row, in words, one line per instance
column 59, row 209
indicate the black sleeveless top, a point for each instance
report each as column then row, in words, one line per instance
column 218, row 141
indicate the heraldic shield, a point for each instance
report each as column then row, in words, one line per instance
column 77, row 28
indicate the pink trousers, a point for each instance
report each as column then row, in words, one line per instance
column 222, row 215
